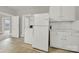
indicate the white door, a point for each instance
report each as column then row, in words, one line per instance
column 28, row 36
column 41, row 34
column 15, row 26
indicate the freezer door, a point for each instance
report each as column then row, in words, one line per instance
column 40, row 38
column 41, row 19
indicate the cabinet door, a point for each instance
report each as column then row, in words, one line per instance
column 73, row 42
column 68, row 13
column 57, row 39
column 60, row 40
column 52, row 38
column 55, row 13
column 62, row 26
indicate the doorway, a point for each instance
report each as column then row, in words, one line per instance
column 7, row 25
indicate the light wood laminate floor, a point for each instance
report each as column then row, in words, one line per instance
column 14, row 45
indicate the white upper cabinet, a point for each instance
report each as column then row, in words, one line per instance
column 62, row 13
column 68, row 13
column 54, row 13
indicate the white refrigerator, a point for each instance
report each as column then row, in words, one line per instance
column 41, row 31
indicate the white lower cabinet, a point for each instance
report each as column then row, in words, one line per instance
column 72, row 42
column 65, row 40
column 57, row 39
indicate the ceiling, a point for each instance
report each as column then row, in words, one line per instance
column 29, row 9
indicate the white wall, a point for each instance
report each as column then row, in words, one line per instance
column 4, row 11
